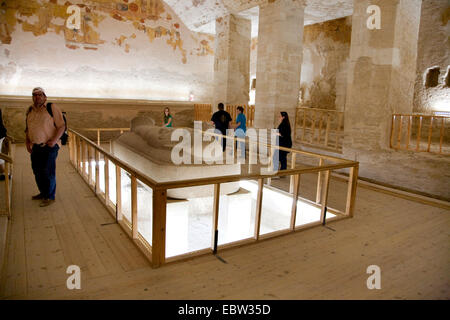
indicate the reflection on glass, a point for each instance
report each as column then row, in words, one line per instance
column 112, row 181
column 92, row 172
column 86, row 167
column 125, row 184
column 308, row 213
column 145, row 211
column 101, row 168
column 188, row 225
column 276, row 210
column 237, row 213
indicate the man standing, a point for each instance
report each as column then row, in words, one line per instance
column 43, row 135
column 221, row 120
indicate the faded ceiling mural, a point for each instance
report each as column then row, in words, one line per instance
column 103, row 46
column 40, row 17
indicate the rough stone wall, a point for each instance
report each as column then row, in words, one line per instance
column 232, row 60
column 404, row 60
column 135, row 50
column 433, row 51
column 372, row 55
column 280, row 34
column 326, row 48
column 380, row 82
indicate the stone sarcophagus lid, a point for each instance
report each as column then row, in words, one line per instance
column 148, row 148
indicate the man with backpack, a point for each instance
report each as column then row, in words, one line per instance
column 44, row 127
column 221, row 120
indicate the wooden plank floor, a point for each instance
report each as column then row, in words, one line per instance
column 409, row 241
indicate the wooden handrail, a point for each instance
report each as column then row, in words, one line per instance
column 235, row 178
column 99, row 130
column 156, row 251
column 104, row 129
column 400, row 135
column 283, row 148
column 141, row 176
column 419, row 115
column 6, row 157
column 320, row 124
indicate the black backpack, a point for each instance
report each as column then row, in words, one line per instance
column 2, row 127
column 65, row 135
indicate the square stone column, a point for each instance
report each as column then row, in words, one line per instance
column 232, row 61
column 381, row 73
column 278, row 67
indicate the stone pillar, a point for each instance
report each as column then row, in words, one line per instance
column 433, row 52
column 381, row 73
column 232, row 61
column 278, row 68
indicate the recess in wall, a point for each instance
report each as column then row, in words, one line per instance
column 432, row 77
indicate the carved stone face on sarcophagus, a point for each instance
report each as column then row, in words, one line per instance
column 150, row 149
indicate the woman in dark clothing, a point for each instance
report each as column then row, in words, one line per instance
column 285, row 140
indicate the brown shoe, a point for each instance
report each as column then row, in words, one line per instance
column 38, row 197
column 46, row 202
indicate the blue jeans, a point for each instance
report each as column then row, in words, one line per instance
column 239, row 133
column 43, row 163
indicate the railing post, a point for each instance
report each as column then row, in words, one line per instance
column 351, row 191
column 324, row 199
column 391, row 145
column 327, row 131
column 77, row 140
column 97, row 172
column 83, row 158
column 159, row 227
column 118, row 194
column 304, row 125
column 430, row 133
column 271, row 164
column 293, row 161
column 89, row 155
column 419, row 133
column 338, row 130
column 319, row 183
column 75, row 150
column 313, row 127
column 7, row 189
column 215, row 231
column 319, row 136
column 258, row 208
column 442, row 135
column 70, row 148
column 106, row 168
column 134, row 217
column 408, row 139
column 98, row 137
column 295, row 200
column 399, row 137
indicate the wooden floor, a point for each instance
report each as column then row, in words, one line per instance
column 409, row 241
